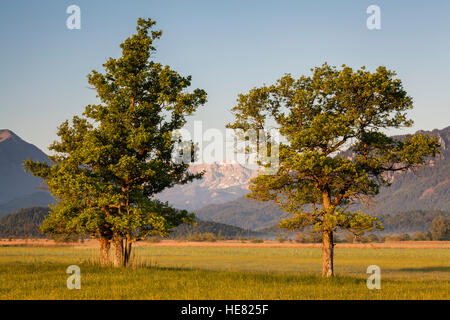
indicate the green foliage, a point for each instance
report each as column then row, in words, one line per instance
column 108, row 163
column 319, row 118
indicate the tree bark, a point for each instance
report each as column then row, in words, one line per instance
column 327, row 254
column 118, row 252
column 127, row 253
column 104, row 250
column 327, row 238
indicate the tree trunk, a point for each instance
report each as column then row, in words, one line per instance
column 128, row 244
column 327, row 238
column 104, row 250
column 327, row 254
column 118, row 252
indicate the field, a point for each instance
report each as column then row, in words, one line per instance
column 226, row 270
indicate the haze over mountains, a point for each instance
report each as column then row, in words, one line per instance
column 220, row 195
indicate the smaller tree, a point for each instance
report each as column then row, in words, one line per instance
column 440, row 228
column 335, row 150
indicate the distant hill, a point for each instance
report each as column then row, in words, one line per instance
column 14, row 182
column 37, row 199
column 243, row 212
column 26, row 222
column 397, row 223
column 411, row 221
column 23, row 223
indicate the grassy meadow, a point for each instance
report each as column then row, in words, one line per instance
column 183, row 272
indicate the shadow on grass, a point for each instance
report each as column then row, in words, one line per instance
column 427, row 269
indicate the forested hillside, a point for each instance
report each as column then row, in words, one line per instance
column 411, row 221
column 243, row 212
column 23, row 223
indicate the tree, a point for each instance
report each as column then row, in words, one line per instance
column 110, row 162
column 334, row 149
column 440, row 228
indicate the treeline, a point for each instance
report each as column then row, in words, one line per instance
column 417, row 225
column 208, row 230
column 24, row 223
column 411, row 221
column 438, row 230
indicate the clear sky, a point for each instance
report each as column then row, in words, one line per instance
column 227, row 46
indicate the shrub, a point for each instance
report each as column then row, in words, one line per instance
column 419, row 236
column 207, row 236
column 255, row 240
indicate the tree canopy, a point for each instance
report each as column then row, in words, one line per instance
column 335, row 149
column 109, row 163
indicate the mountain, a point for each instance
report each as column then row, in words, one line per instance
column 220, row 183
column 428, row 189
column 14, row 182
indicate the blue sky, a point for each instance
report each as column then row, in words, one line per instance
column 227, row 46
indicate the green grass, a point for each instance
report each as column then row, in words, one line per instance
column 225, row 273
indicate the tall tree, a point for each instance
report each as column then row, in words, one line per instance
column 109, row 162
column 320, row 117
